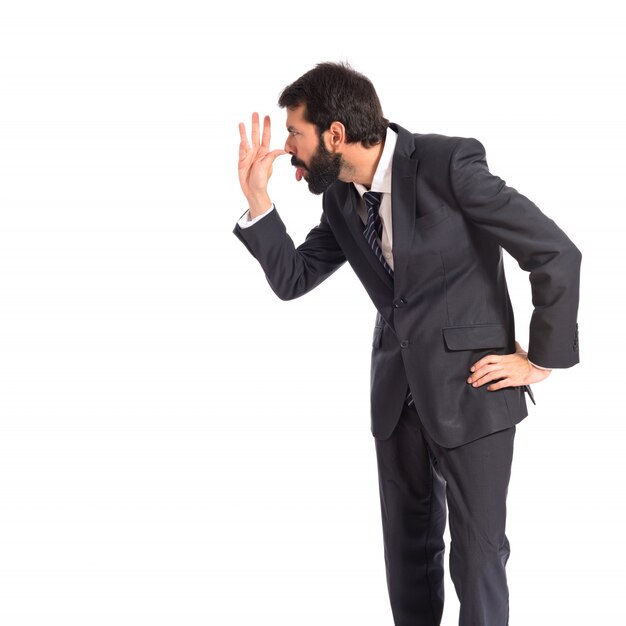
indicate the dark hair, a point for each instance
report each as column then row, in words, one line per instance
column 334, row 92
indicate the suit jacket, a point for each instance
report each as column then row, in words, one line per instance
column 447, row 304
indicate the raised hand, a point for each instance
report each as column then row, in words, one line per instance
column 255, row 164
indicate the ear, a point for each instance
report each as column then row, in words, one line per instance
column 335, row 136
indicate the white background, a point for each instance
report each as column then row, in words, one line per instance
column 177, row 446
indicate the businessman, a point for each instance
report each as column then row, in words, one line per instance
column 422, row 222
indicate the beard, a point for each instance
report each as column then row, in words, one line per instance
column 323, row 170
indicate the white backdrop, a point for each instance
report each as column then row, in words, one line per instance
column 177, row 446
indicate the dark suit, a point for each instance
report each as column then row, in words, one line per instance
column 447, row 304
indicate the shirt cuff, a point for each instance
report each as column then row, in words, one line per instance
column 547, row 369
column 246, row 222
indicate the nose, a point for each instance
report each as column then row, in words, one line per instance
column 288, row 147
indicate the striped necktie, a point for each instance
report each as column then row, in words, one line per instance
column 373, row 228
column 373, row 234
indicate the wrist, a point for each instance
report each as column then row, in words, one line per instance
column 259, row 204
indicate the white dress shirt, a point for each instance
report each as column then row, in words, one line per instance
column 382, row 183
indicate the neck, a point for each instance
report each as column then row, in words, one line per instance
column 360, row 164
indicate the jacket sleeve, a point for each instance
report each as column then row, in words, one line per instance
column 538, row 245
column 290, row 271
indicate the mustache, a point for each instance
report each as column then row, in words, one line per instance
column 298, row 163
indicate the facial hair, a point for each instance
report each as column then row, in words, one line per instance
column 323, row 170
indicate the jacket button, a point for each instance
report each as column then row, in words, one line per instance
column 404, row 343
column 399, row 303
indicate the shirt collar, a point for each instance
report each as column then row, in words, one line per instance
column 382, row 176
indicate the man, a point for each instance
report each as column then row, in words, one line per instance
column 422, row 222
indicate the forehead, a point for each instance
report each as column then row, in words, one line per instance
column 295, row 119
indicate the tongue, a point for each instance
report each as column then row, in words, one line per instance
column 299, row 174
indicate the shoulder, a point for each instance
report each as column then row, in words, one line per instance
column 429, row 146
column 433, row 146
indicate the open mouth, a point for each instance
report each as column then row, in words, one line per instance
column 300, row 168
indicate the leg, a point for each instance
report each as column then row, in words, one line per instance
column 477, row 476
column 412, row 497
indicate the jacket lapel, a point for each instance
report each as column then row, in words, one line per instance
column 349, row 211
column 403, row 203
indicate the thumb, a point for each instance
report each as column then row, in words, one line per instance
column 271, row 156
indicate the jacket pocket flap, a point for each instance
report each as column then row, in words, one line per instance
column 475, row 337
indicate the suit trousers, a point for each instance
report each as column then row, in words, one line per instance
column 417, row 478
